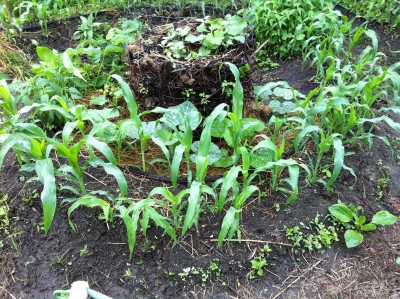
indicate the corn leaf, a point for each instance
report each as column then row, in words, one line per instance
column 45, row 172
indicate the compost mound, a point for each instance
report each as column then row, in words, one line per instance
column 158, row 80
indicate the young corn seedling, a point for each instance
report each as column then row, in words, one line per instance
column 132, row 107
column 182, row 120
column 146, row 210
column 29, row 143
column 230, row 223
column 266, row 156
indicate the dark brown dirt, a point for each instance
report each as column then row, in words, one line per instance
column 33, row 265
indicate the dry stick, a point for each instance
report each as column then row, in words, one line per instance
column 259, row 48
column 8, row 292
column 88, row 174
column 297, row 279
column 254, row 241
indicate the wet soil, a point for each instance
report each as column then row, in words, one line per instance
column 33, row 265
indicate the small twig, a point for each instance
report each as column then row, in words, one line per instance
column 254, row 241
column 95, row 178
column 297, row 279
column 13, row 297
column 259, row 48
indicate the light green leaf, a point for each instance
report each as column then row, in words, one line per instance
column 341, row 212
column 384, row 218
column 45, row 172
column 45, row 54
column 227, row 224
column 284, row 93
column 353, row 238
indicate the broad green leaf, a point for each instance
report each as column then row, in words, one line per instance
column 213, row 156
column 194, row 39
column 368, row 227
column 260, row 157
column 45, row 54
column 234, row 24
column 282, row 107
column 251, row 125
column 45, row 172
column 384, row 218
column 284, row 93
column 353, row 238
column 341, row 212
column 213, row 39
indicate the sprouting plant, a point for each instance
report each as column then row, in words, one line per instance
column 84, row 250
column 259, row 262
column 177, row 203
column 355, row 224
column 87, row 30
column 314, row 236
column 209, row 36
column 143, row 135
column 188, row 94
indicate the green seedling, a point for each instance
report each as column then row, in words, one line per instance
column 259, row 262
column 356, row 224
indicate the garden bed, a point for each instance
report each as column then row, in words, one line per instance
column 33, row 264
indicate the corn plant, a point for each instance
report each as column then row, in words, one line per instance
column 230, row 223
column 182, row 120
column 177, row 203
column 143, row 136
column 147, row 210
column 29, row 143
column 202, row 156
column 323, row 144
column 237, row 128
column 266, row 156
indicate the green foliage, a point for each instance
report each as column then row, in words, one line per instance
column 259, row 262
column 382, row 11
column 355, row 224
column 314, row 236
column 209, row 36
column 284, row 24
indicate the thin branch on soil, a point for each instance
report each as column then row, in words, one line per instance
column 88, row 174
column 254, row 241
column 297, row 279
column 259, row 48
column 13, row 297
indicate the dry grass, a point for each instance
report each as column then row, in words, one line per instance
column 13, row 61
column 370, row 272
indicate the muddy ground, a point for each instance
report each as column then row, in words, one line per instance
column 33, row 265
